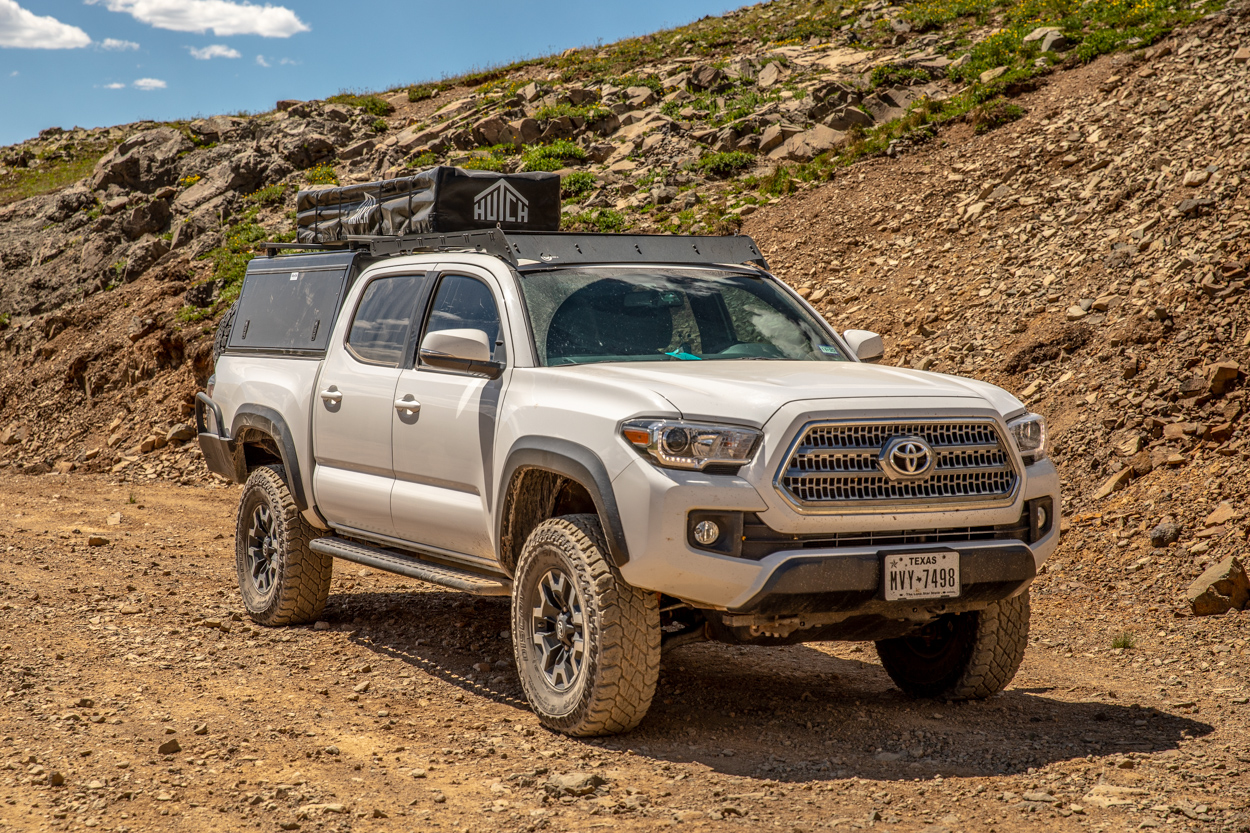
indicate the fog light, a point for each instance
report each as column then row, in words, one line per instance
column 1042, row 517
column 706, row 533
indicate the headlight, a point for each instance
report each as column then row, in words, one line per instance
column 689, row 445
column 1029, row 432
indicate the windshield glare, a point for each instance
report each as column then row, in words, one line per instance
column 580, row 316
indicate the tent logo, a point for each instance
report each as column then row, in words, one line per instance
column 501, row 203
column 365, row 211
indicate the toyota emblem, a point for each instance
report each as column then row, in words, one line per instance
column 906, row 458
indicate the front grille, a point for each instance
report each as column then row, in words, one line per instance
column 836, row 465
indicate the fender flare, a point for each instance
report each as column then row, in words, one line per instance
column 268, row 421
column 577, row 463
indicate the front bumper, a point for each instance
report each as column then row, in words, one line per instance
column 656, row 504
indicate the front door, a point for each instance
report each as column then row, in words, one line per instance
column 443, row 449
column 354, row 404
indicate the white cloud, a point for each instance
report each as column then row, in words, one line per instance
column 115, row 45
column 217, row 50
column 13, row 74
column 223, row 17
column 290, row 62
column 21, row 29
column 150, row 84
column 261, row 62
column 116, row 85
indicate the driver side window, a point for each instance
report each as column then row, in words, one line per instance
column 464, row 303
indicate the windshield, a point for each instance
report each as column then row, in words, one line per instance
column 589, row 315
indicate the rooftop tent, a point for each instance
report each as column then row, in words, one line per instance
column 436, row 200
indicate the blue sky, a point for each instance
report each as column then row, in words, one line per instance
column 90, row 63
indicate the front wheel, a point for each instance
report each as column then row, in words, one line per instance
column 961, row 656
column 587, row 645
column 282, row 581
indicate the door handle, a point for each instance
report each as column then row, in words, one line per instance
column 408, row 404
column 332, row 395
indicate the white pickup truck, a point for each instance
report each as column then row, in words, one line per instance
column 643, row 440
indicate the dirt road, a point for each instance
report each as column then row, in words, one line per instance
column 136, row 697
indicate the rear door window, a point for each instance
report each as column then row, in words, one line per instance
column 379, row 331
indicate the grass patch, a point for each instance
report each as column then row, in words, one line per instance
column 1124, row 640
column 896, row 76
column 322, row 174
column 485, row 163
column 589, row 112
column 576, row 184
column 725, row 164
column 559, row 154
column 633, row 80
column 424, row 160
column 23, row 183
column 993, row 114
column 269, row 195
column 603, row 220
column 230, row 259
column 371, row 104
column 420, row 92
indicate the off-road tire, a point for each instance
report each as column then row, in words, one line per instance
column 969, row 656
column 621, row 634
column 222, row 337
column 299, row 580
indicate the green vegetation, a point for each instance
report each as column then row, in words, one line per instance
column 269, row 195
column 552, row 157
column 719, row 108
column 190, row 314
column 188, row 181
column 589, row 112
column 603, row 220
column 420, row 92
column 896, row 76
column 322, row 174
column 487, row 162
column 651, row 81
column 424, row 160
column 5, row 318
column 725, row 164
column 371, row 104
column 992, row 114
column 576, row 184
column 379, row 125
column 230, row 259
column 23, row 183
column 1124, row 641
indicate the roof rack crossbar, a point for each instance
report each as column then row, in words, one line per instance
column 542, row 249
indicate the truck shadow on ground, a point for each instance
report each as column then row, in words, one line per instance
column 791, row 714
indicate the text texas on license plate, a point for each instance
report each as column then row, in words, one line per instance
column 926, row 575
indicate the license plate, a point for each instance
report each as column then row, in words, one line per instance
column 927, row 575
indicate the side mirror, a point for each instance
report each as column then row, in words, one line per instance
column 463, row 350
column 867, row 346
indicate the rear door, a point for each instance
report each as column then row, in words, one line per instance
column 443, row 451
column 354, row 404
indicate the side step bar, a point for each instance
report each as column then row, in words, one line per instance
column 394, row 561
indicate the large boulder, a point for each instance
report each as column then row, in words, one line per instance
column 148, row 218
column 805, row 146
column 243, row 173
column 1221, row 588
column 144, row 162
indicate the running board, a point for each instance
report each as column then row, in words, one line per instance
column 394, row 561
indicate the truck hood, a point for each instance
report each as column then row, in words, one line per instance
column 752, row 391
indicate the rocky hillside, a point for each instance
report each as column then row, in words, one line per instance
column 1048, row 197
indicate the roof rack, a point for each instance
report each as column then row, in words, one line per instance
column 539, row 250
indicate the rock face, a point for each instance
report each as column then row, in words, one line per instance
column 144, row 162
column 1223, row 587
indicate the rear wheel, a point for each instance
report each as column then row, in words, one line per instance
column 587, row 645
column 282, row 581
column 961, row 656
